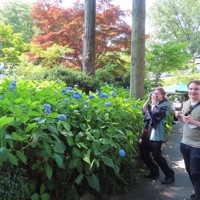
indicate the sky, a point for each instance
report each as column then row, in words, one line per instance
column 128, row 5
column 124, row 5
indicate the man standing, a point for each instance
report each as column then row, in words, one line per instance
column 190, row 143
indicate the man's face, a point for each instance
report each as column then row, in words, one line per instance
column 194, row 92
column 158, row 95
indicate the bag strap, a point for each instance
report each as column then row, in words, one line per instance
column 191, row 109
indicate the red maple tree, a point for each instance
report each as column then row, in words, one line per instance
column 64, row 26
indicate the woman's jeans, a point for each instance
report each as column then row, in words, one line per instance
column 191, row 156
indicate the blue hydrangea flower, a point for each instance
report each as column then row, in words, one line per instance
column 47, row 111
column 63, row 91
column 107, row 104
column 70, row 90
column 122, row 153
column 91, row 97
column 62, row 117
column 103, row 96
column 125, row 100
column 1, row 98
column 12, row 85
column 47, row 106
column 112, row 94
column 77, row 95
column 76, row 111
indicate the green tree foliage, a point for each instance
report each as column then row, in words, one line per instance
column 178, row 20
column 166, row 57
column 49, row 57
column 16, row 13
column 11, row 45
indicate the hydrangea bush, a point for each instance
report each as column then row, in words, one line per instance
column 69, row 142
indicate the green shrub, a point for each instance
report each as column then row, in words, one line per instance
column 67, row 140
column 108, row 74
column 168, row 124
column 105, row 75
column 60, row 74
column 13, row 183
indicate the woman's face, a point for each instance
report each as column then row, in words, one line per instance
column 194, row 92
column 159, row 96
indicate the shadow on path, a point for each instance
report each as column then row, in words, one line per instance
column 152, row 189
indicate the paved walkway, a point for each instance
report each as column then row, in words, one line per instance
column 153, row 190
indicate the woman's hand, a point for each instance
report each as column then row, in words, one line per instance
column 153, row 99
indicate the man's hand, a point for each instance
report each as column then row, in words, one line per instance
column 188, row 119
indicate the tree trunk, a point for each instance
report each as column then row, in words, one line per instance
column 137, row 49
column 89, row 37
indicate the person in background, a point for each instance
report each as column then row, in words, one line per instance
column 185, row 97
column 190, row 143
column 155, row 111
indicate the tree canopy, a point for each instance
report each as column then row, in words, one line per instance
column 166, row 57
column 11, row 45
column 178, row 20
column 64, row 26
column 17, row 14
